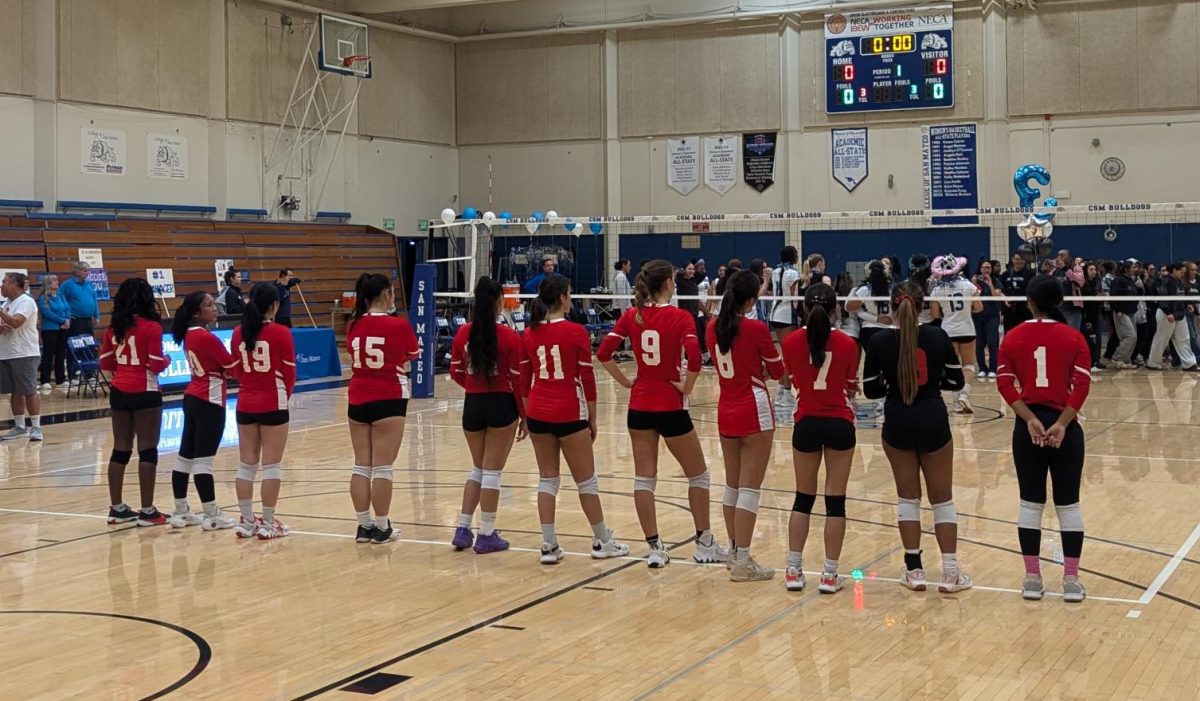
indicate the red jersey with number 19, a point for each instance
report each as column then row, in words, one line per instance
column 744, row 407
column 557, row 375
column 659, row 343
column 210, row 364
column 1049, row 361
column 380, row 346
column 136, row 360
column 823, row 391
column 267, row 374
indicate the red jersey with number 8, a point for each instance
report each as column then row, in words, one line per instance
column 210, row 364
column 744, row 407
column 659, row 343
column 557, row 374
column 823, row 391
column 1049, row 361
column 266, row 373
column 380, row 346
column 136, row 359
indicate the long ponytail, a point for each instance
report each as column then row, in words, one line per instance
column 906, row 300
column 254, row 316
column 186, row 314
column 820, row 301
column 549, row 292
column 483, row 345
column 741, row 289
column 650, row 281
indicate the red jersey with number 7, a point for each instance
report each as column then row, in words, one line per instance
column 1049, row 361
column 659, row 343
column 380, row 347
column 557, row 376
column 267, row 372
column 136, row 359
column 823, row 391
column 210, row 364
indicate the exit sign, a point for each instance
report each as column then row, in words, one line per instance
column 389, row 224
column 422, row 225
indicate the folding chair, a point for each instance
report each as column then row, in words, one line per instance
column 86, row 355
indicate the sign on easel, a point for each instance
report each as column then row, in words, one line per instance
column 94, row 257
column 222, row 265
column 162, row 281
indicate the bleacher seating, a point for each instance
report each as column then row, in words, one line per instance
column 27, row 205
column 203, row 210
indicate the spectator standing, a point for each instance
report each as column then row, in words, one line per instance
column 19, row 357
column 55, row 315
column 81, row 297
column 283, row 285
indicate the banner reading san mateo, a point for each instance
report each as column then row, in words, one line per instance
column 758, row 159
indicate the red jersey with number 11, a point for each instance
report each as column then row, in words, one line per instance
column 380, row 346
column 266, row 373
column 659, row 343
column 136, row 359
column 557, row 375
column 1049, row 361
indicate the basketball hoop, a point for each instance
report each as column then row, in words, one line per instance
column 359, row 63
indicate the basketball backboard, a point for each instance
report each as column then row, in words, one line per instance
column 344, row 48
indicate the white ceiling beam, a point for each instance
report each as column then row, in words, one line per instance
column 376, row 7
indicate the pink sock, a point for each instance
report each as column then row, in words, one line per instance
column 1071, row 567
column 1032, row 564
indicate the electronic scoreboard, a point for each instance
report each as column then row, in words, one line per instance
column 889, row 60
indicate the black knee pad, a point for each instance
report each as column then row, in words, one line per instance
column 148, row 455
column 835, row 507
column 120, row 457
column 804, row 502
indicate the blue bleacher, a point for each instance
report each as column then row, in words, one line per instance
column 117, row 207
column 27, row 205
column 332, row 216
column 240, row 213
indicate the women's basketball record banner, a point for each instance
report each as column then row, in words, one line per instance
column 758, row 159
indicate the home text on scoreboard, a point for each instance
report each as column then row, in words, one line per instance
column 889, row 60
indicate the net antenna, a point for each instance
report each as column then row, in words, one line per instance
column 318, row 114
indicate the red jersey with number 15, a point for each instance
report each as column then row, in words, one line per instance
column 380, row 346
column 267, row 373
column 135, row 361
column 210, row 364
column 1049, row 361
column 557, row 375
column 823, row 391
column 659, row 343
column 744, row 407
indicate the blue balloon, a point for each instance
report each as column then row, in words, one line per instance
column 596, row 227
column 469, row 213
column 570, row 226
column 506, row 216
column 538, row 215
column 1031, row 171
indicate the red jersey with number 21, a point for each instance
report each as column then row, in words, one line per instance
column 267, row 374
column 659, row 343
column 136, row 359
column 379, row 346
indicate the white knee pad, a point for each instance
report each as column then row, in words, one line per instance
column 274, row 471
column 945, row 512
column 1030, row 515
column 969, row 370
column 549, row 485
column 246, row 472
column 747, row 499
column 644, row 484
column 184, row 465
column 730, row 498
column 475, row 475
column 382, row 472
column 491, row 479
column 908, row 510
column 700, row 481
column 591, row 485
column 202, row 466
column 361, row 471
column 1070, row 518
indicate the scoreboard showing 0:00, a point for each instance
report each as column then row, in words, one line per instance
column 889, row 60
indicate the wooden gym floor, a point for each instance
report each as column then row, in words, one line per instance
column 94, row 611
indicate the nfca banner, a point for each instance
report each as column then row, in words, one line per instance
column 758, row 159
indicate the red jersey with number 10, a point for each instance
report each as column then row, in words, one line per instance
column 557, row 374
column 267, row 374
column 1049, row 361
column 823, row 391
column 659, row 343
column 744, row 407
column 210, row 364
column 136, row 359
column 380, row 346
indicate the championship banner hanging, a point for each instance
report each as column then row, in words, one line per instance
column 950, row 163
column 683, row 165
column 758, row 159
column 720, row 162
column 849, row 157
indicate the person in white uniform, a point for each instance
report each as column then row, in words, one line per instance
column 959, row 298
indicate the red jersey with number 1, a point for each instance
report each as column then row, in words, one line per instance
column 210, row 364
column 823, row 391
column 557, row 376
column 135, row 361
column 744, row 407
column 380, row 347
column 1049, row 361
column 266, row 373
column 659, row 342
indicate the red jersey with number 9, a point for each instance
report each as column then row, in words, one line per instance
column 557, row 375
column 659, row 343
column 266, row 373
column 136, row 359
column 1049, row 361
column 822, row 391
column 380, row 346
column 210, row 364
column 744, row 407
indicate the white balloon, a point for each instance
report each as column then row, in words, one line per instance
column 448, row 216
column 489, row 217
column 552, row 217
column 531, row 226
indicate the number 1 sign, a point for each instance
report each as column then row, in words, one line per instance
column 162, row 280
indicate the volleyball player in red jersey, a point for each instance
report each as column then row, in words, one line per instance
column 203, row 412
column 132, row 353
column 745, row 417
column 823, row 363
column 266, row 371
column 1049, row 360
column 380, row 348
column 660, row 335
column 559, row 386
column 485, row 360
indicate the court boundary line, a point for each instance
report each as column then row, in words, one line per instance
column 1169, row 568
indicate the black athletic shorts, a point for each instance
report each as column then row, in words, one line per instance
column 668, row 424
column 265, row 418
column 923, row 439
column 489, row 410
column 203, row 426
column 963, row 339
column 813, row 433
column 133, row 401
column 558, row 430
column 783, row 325
column 379, row 410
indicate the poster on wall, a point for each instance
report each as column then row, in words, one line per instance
column 167, row 156
column 683, row 165
column 94, row 257
column 720, row 162
column 950, row 161
column 849, row 157
column 162, row 281
column 102, row 151
column 758, row 160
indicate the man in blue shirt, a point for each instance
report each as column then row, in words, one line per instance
column 535, row 282
column 283, row 285
column 81, row 298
